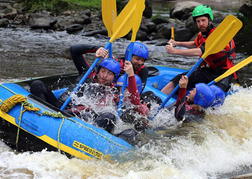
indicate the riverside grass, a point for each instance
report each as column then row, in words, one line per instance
column 57, row 6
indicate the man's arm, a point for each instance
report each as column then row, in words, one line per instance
column 184, row 52
column 187, row 44
column 180, row 107
column 77, row 52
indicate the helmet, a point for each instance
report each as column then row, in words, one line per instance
column 139, row 49
column 204, row 95
column 138, row 82
column 219, row 95
column 202, row 10
column 106, row 120
column 111, row 65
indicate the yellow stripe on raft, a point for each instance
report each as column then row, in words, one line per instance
column 63, row 147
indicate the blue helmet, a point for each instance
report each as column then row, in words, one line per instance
column 111, row 65
column 138, row 82
column 204, row 95
column 139, row 49
column 219, row 95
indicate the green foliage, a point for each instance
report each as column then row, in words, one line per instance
column 247, row 25
column 120, row 5
column 57, row 6
column 86, row 3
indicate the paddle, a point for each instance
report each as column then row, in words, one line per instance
column 109, row 14
column 172, row 33
column 121, row 27
column 216, row 41
column 138, row 12
column 232, row 70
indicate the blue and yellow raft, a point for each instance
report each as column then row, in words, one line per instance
column 28, row 123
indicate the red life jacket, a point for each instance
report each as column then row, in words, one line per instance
column 221, row 59
column 139, row 69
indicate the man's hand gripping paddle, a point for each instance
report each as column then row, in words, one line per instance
column 122, row 25
column 216, row 41
column 136, row 9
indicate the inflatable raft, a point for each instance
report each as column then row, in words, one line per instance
column 31, row 124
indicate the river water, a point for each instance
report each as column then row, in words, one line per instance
column 220, row 147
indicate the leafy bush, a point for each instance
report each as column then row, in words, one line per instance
column 57, row 6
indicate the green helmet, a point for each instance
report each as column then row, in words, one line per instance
column 202, row 10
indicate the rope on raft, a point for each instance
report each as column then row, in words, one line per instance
column 9, row 103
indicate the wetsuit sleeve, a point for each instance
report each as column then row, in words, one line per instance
column 77, row 52
column 135, row 97
column 202, row 48
column 180, row 107
column 143, row 74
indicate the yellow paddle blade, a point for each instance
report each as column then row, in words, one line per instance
column 222, row 35
column 109, row 14
column 124, row 21
column 234, row 68
column 140, row 6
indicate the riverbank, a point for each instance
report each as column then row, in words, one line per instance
column 88, row 22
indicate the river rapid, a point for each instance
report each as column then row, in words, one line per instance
column 219, row 147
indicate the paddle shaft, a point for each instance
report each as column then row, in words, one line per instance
column 124, row 82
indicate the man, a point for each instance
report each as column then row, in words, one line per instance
column 214, row 65
column 140, row 54
column 188, row 108
column 107, row 73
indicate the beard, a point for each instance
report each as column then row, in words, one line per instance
column 203, row 29
column 136, row 66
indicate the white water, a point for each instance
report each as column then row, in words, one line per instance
column 221, row 144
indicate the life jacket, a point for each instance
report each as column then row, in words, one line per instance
column 139, row 69
column 221, row 59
